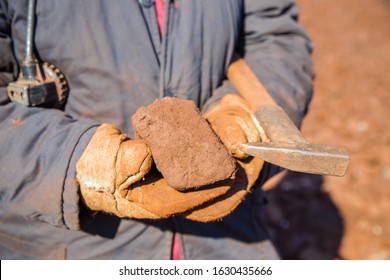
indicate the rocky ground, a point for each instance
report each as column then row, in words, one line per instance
column 322, row 217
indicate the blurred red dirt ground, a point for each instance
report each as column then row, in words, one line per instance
column 324, row 217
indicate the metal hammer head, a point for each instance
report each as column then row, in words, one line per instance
column 289, row 149
column 302, row 157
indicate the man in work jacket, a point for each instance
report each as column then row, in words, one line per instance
column 115, row 60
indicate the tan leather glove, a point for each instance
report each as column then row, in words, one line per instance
column 235, row 124
column 111, row 163
column 115, row 176
column 246, row 176
column 158, row 199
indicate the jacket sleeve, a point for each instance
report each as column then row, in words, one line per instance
column 278, row 50
column 36, row 149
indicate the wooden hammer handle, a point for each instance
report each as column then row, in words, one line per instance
column 273, row 119
column 247, row 84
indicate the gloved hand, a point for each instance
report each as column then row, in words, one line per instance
column 110, row 172
column 157, row 199
column 115, row 177
column 110, row 164
column 233, row 121
column 235, row 124
column 246, row 176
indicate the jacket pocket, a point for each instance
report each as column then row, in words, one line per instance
column 15, row 248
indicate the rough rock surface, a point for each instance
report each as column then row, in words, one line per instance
column 185, row 149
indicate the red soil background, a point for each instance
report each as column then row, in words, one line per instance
column 324, row 217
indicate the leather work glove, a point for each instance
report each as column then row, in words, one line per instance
column 111, row 163
column 115, row 176
column 235, row 124
column 246, row 176
column 158, row 199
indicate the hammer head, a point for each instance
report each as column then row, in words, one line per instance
column 301, row 157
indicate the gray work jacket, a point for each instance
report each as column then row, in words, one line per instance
column 114, row 60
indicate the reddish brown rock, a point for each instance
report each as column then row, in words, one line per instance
column 185, row 149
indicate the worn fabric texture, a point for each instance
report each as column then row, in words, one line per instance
column 115, row 61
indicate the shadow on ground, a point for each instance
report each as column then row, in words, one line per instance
column 302, row 219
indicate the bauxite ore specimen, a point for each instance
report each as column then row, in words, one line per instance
column 184, row 147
